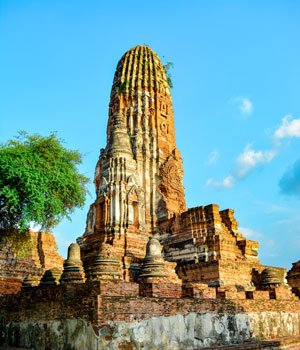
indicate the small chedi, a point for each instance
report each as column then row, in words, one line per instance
column 149, row 273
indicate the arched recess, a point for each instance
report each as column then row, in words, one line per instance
column 100, row 210
column 102, row 186
column 133, row 205
column 102, row 213
column 131, row 181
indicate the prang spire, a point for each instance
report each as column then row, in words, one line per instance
column 141, row 94
column 139, row 174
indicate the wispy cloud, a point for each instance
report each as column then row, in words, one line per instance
column 292, row 221
column 263, row 240
column 249, row 233
column 289, row 128
column 246, row 162
column 250, row 158
column 277, row 209
column 245, row 105
column 290, row 181
column 227, row 182
column 213, row 157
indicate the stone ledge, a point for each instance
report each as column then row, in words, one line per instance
column 286, row 343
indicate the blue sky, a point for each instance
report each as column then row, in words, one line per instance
column 236, row 97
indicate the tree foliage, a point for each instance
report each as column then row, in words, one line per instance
column 39, row 182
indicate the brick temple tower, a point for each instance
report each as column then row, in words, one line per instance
column 196, row 283
column 139, row 192
column 138, row 177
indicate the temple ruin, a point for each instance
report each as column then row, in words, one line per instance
column 149, row 273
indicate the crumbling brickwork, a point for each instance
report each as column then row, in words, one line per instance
column 24, row 255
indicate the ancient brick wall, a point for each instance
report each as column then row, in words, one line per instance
column 199, row 272
column 103, row 300
column 109, row 305
column 47, row 251
column 26, row 254
column 136, row 308
column 50, row 302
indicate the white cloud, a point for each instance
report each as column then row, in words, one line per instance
column 289, row 128
column 275, row 209
column 292, row 221
column 249, row 233
column 245, row 163
column 250, row 158
column 244, row 104
column 228, row 182
column 272, row 208
column 213, row 157
column 270, row 243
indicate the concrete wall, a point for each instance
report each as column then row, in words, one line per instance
column 194, row 330
column 46, row 335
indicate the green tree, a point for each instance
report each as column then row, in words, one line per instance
column 39, row 182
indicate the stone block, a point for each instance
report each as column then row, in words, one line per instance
column 261, row 295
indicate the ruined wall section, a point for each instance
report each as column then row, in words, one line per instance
column 189, row 332
column 208, row 246
column 52, row 302
column 120, row 316
column 22, row 255
column 103, row 301
column 206, row 234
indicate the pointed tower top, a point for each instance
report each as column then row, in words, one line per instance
column 139, row 69
column 141, row 93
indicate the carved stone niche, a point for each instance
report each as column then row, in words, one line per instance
column 100, row 211
column 164, row 127
column 90, row 221
column 134, row 203
column 102, row 186
column 163, row 108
